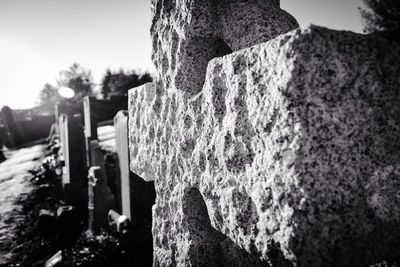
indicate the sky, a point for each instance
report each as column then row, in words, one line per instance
column 39, row 38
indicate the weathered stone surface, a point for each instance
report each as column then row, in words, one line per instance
column 188, row 34
column 289, row 154
column 143, row 127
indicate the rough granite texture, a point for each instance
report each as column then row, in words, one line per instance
column 288, row 156
column 187, row 34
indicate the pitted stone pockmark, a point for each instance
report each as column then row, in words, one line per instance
column 259, row 141
column 188, row 34
column 290, row 165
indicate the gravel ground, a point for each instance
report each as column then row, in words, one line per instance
column 16, row 174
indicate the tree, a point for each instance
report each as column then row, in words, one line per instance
column 381, row 15
column 49, row 95
column 78, row 79
column 118, row 83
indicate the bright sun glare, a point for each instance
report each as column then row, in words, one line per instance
column 22, row 75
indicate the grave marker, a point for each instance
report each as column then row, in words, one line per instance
column 101, row 200
column 98, row 110
column 121, row 140
column 74, row 171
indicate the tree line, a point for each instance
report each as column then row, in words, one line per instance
column 378, row 16
column 80, row 80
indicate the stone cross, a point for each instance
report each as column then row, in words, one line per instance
column 280, row 153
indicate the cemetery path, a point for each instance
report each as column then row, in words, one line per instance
column 15, row 182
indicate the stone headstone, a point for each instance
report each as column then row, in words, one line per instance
column 73, row 153
column 13, row 134
column 290, row 151
column 68, row 109
column 97, row 110
column 101, row 199
column 121, row 140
